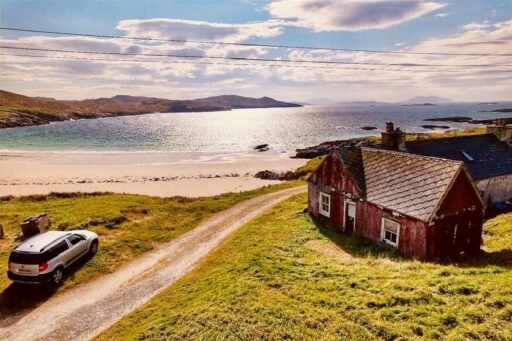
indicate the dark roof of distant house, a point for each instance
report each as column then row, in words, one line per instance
column 410, row 184
column 485, row 156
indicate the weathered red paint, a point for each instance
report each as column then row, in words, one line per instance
column 458, row 223
column 461, row 207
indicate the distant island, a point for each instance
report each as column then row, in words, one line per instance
column 17, row 110
column 419, row 105
column 426, row 100
column 464, row 119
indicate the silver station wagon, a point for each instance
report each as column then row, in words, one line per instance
column 43, row 258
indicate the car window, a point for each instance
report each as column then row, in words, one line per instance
column 75, row 239
column 26, row 258
column 56, row 250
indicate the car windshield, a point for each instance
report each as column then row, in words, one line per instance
column 27, row 258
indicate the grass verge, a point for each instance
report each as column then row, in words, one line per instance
column 284, row 276
column 127, row 225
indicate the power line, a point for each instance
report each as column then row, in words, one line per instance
column 251, row 59
column 243, row 64
column 298, row 47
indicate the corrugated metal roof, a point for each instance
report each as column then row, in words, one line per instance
column 406, row 183
column 484, row 155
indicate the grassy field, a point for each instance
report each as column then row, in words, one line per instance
column 284, row 276
column 310, row 166
column 127, row 225
column 438, row 135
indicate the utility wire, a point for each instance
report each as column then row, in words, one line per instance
column 298, row 47
column 236, row 64
column 251, row 59
column 243, row 64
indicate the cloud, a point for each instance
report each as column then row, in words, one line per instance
column 168, row 77
column 164, row 28
column 441, row 15
column 350, row 15
column 475, row 38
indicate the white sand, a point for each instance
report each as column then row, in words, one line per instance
column 151, row 173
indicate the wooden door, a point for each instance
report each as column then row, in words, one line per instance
column 350, row 217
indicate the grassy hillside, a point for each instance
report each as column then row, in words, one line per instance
column 310, row 166
column 18, row 110
column 438, row 135
column 128, row 226
column 283, row 276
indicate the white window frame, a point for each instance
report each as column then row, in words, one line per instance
column 320, row 204
column 383, row 232
column 345, row 211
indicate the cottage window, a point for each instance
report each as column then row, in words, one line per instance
column 390, row 231
column 325, row 204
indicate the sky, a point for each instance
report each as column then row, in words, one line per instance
column 482, row 27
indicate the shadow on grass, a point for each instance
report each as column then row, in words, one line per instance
column 501, row 258
column 18, row 299
column 357, row 246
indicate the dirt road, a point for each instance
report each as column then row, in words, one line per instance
column 85, row 312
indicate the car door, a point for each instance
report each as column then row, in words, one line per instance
column 78, row 245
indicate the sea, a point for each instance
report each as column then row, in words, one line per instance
column 283, row 129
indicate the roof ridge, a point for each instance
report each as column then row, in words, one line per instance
column 411, row 155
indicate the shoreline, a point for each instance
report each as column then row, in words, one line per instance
column 161, row 174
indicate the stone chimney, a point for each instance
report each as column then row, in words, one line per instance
column 393, row 139
column 502, row 131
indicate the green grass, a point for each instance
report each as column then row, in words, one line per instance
column 309, row 167
column 127, row 225
column 283, row 276
column 438, row 135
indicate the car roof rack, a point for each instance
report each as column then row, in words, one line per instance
column 54, row 242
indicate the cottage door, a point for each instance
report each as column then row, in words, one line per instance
column 350, row 217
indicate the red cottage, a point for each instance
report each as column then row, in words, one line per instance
column 426, row 207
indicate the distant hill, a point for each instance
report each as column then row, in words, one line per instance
column 239, row 102
column 426, row 100
column 18, row 110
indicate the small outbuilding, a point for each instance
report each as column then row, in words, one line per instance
column 426, row 207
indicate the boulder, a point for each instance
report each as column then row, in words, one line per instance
column 36, row 224
column 262, row 147
column 267, row 175
column 283, row 176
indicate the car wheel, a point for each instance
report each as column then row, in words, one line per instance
column 93, row 248
column 57, row 276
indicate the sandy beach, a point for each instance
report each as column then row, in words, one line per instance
column 151, row 173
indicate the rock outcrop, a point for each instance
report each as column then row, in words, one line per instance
column 327, row 147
